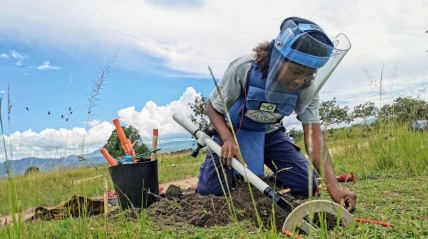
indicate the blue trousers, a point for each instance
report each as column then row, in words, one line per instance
column 283, row 157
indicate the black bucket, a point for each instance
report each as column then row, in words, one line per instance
column 136, row 184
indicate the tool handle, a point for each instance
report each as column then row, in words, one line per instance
column 205, row 140
column 108, row 157
column 121, row 135
column 131, row 148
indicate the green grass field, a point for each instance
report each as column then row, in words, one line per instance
column 391, row 165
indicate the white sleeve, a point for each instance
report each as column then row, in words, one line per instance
column 231, row 85
column 311, row 115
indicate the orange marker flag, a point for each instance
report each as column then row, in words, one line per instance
column 346, row 177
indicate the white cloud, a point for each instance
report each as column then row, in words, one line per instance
column 47, row 66
column 4, row 55
column 189, row 37
column 54, row 143
column 158, row 117
column 19, row 56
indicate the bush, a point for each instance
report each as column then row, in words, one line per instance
column 32, row 170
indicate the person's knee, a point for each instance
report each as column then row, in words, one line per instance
column 216, row 190
column 203, row 190
column 212, row 183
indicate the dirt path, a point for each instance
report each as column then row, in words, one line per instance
column 24, row 216
column 341, row 150
column 183, row 183
column 79, row 181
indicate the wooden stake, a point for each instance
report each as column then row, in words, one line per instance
column 105, row 197
column 154, row 144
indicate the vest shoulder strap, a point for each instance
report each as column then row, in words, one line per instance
column 256, row 77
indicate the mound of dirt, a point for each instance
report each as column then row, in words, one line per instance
column 185, row 209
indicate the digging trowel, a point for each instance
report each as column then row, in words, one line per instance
column 298, row 218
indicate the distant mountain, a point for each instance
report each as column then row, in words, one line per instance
column 18, row 167
column 175, row 145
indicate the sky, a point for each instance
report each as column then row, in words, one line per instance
column 155, row 56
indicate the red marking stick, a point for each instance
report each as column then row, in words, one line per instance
column 290, row 234
column 384, row 224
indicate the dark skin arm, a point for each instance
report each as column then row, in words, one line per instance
column 314, row 146
column 229, row 149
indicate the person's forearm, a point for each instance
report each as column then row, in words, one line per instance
column 314, row 144
column 322, row 162
column 218, row 122
column 325, row 166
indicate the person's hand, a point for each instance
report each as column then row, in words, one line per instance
column 343, row 197
column 228, row 151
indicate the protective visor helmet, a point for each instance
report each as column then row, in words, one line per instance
column 302, row 59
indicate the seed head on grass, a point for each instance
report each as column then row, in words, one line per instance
column 95, row 93
column 13, row 202
column 98, row 83
column 9, row 109
column 2, row 132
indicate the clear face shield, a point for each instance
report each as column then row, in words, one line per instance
column 302, row 60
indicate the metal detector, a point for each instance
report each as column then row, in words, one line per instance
column 300, row 218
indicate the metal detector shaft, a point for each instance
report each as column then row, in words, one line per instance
column 205, row 140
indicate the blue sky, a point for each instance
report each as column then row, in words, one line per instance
column 52, row 51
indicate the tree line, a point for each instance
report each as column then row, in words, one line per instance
column 403, row 110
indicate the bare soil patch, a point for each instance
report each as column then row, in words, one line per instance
column 187, row 209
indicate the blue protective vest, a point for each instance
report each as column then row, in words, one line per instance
column 255, row 101
column 250, row 133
